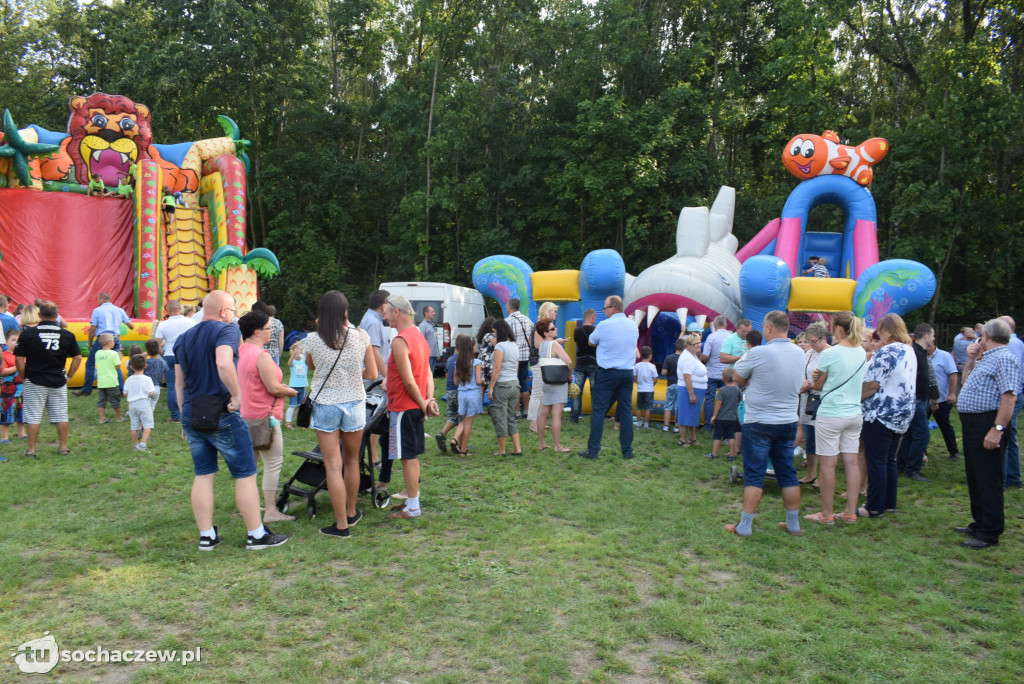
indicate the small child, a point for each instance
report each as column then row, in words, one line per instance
column 168, row 203
column 754, row 339
column 188, row 310
column 108, row 360
column 124, row 188
column 470, row 377
column 820, row 270
column 298, row 379
column 645, row 374
column 141, row 392
column 10, row 391
column 726, row 416
column 134, row 349
column 668, row 369
column 451, row 396
column 156, row 368
column 96, row 186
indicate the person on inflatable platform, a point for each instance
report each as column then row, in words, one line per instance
column 106, row 318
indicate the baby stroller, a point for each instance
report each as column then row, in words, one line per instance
column 311, row 477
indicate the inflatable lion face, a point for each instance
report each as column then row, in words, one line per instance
column 108, row 133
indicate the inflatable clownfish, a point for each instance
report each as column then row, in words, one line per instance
column 807, row 156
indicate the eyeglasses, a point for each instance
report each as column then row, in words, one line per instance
column 606, row 306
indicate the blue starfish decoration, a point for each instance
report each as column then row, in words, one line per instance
column 18, row 150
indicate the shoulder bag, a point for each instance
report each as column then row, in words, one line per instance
column 817, row 404
column 260, row 429
column 206, row 408
column 305, row 413
column 553, row 370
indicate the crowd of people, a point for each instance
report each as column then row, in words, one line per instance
column 837, row 393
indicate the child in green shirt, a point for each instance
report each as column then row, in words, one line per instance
column 108, row 360
column 124, row 187
column 96, row 186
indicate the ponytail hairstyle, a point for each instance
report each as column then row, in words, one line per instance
column 464, row 364
column 854, row 327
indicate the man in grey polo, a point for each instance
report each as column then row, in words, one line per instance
column 429, row 331
column 615, row 339
column 772, row 374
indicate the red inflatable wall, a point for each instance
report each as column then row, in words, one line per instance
column 66, row 247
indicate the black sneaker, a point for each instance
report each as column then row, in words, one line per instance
column 333, row 531
column 207, row 544
column 266, row 541
column 353, row 520
column 441, row 444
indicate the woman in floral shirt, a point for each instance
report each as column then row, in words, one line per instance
column 890, row 383
column 485, row 342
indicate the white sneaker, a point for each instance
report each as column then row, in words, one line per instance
column 798, row 452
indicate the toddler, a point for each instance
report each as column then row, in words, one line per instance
column 140, row 391
column 726, row 416
column 469, row 376
column 108, row 361
column 298, row 379
column 10, row 392
column 452, row 401
column 645, row 374
column 156, row 367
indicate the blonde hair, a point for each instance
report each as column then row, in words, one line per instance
column 854, row 327
column 105, row 338
column 30, row 315
column 545, row 310
column 188, row 310
column 297, row 344
column 895, row 326
column 692, row 338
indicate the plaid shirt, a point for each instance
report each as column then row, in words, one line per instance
column 521, row 327
column 997, row 373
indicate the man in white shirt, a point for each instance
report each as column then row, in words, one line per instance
column 167, row 331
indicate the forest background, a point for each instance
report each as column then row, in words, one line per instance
column 407, row 140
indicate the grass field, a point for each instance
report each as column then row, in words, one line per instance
column 540, row 568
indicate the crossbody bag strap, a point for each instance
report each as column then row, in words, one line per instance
column 343, row 342
column 847, row 380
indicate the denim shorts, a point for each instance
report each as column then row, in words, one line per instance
column 347, row 417
column 231, row 439
column 763, row 442
column 670, row 397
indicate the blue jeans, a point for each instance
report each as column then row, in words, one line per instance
column 612, row 384
column 580, row 377
column 232, row 440
column 911, row 454
column 90, row 366
column 763, row 442
column 709, row 400
column 881, row 446
column 172, row 396
column 1011, row 465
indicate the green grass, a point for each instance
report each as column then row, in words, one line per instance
column 534, row 569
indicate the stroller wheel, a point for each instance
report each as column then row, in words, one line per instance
column 282, row 503
column 311, row 510
column 381, row 498
column 734, row 474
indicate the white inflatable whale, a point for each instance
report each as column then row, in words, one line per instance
column 702, row 279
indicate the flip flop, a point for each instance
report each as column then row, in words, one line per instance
column 563, row 450
column 5, row 441
column 731, row 527
column 542, row 447
column 782, row 526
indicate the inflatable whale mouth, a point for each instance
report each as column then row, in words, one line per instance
column 701, row 281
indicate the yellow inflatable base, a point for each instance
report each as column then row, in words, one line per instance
column 659, row 399
column 825, row 295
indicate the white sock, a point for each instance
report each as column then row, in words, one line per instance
column 142, row 444
column 258, row 533
column 412, row 505
column 209, row 534
column 290, row 413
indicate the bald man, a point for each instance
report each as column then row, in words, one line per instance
column 167, row 333
column 209, row 395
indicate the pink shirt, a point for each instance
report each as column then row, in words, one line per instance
column 256, row 400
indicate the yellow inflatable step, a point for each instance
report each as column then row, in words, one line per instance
column 825, row 295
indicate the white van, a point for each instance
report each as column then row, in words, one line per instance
column 460, row 310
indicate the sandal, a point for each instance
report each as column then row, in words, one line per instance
column 62, row 452
column 863, row 512
column 562, row 450
column 846, row 517
column 684, row 442
column 820, row 518
column 30, row 454
column 809, row 483
column 516, row 453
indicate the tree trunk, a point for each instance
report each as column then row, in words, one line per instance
column 430, row 130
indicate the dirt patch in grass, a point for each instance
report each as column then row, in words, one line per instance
column 645, row 666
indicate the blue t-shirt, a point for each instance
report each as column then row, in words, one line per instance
column 195, row 352
column 299, row 376
column 155, row 369
column 449, row 373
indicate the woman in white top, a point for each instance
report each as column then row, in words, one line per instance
column 553, row 396
column 546, row 310
column 341, row 358
column 816, row 337
column 693, row 382
column 503, row 389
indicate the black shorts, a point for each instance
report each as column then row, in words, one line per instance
column 644, row 401
column 726, row 429
column 406, row 440
column 523, row 373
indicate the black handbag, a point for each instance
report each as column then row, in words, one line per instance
column 555, row 374
column 304, row 415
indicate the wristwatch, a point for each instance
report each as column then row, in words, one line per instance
column 998, row 428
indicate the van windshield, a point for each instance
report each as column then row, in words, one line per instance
column 419, row 304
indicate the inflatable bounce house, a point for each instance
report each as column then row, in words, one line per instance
column 162, row 221
column 708, row 276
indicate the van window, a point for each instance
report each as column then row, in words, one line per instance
column 419, row 304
